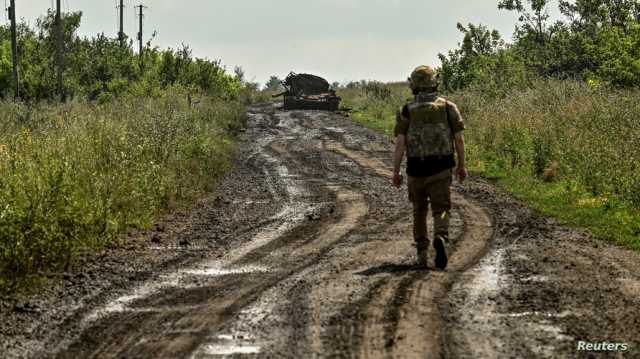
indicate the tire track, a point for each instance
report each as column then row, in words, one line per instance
column 415, row 298
column 237, row 304
column 325, row 268
column 148, row 324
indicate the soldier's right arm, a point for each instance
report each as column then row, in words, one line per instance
column 455, row 118
column 400, row 131
column 402, row 122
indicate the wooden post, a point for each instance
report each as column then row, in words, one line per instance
column 121, row 32
column 14, row 49
column 59, row 51
column 140, row 40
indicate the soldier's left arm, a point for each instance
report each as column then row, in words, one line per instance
column 457, row 127
column 459, row 143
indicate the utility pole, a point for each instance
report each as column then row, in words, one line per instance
column 121, row 32
column 59, row 50
column 140, row 41
column 14, row 48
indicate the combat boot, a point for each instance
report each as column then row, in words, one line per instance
column 441, row 251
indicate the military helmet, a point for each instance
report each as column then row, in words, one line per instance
column 423, row 77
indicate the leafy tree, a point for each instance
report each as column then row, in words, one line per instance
column 599, row 42
column 616, row 54
column 481, row 55
column 98, row 68
column 239, row 73
column 6, row 69
column 533, row 18
column 589, row 15
column 274, row 84
column 536, row 38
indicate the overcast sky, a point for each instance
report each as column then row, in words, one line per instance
column 340, row 40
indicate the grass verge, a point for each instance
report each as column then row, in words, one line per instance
column 75, row 176
column 566, row 149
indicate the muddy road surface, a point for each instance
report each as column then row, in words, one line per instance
column 306, row 252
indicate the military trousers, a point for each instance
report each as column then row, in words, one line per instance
column 434, row 191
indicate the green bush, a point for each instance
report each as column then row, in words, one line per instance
column 98, row 68
column 74, row 176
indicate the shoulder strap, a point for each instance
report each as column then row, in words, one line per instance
column 446, row 109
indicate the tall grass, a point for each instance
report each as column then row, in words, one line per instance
column 74, row 176
column 594, row 135
column 374, row 104
column 591, row 134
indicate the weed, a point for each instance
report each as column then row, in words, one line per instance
column 75, row 176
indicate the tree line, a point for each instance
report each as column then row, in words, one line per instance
column 98, row 68
column 598, row 42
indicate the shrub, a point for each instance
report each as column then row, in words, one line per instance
column 74, row 176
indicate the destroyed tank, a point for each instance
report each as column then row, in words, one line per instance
column 308, row 92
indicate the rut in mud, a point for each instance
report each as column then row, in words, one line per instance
column 331, row 273
column 309, row 254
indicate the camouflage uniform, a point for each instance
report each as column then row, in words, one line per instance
column 429, row 123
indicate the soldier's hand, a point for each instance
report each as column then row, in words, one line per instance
column 462, row 174
column 397, row 180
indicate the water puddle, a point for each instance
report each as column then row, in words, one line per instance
column 486, row 280
column 223, row 345
column 174, row 280
column 221, row 271
column 562, row 314
column 211, row 269
column 481, row 319
column 240, row 342
column 535, row 279
column 122, row 303
column 214, row 349
column 177, row 247
column 334, row 129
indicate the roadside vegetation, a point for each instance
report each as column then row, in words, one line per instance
column 75, row 176
column 135, row 137
column 99, row 69
column 559, row 129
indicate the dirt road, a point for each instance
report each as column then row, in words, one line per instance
column 306, row 251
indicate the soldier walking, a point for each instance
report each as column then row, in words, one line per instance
column 429, row 129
